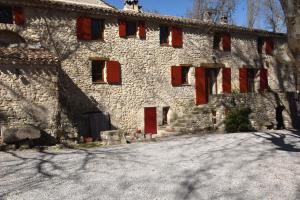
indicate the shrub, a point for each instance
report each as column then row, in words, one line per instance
column 237, row 120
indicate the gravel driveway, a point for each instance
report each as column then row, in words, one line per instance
column 232, row 166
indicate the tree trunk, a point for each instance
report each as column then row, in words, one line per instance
column 291, row 9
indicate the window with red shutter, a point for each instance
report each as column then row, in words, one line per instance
column 177, row 37
column 176, row 76
column 264, row 85
column 243, row 76
column 226, row 40
column 226, row 76
column 84, row 28
column 98, row 71
column 269, row 46
column 122, row 29
column 19, row 16
column 142, row 30
column 113, row 72
column 164, row 34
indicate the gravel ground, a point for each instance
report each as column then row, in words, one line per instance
column 223, row 166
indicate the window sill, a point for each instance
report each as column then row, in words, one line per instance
column 165, row 45
column 98, row 40
column 99, row 82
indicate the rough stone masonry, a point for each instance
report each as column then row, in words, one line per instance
column 61, row 97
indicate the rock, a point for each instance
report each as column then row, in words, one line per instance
column 14, row 135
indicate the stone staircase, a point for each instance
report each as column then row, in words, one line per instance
column 195, row 120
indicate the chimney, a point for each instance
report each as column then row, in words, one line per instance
column 208, row 16
column 224, row 20
column 132, row 5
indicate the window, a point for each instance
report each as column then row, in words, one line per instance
column 222, row 42
column 10, row 15
column 106, row 72
column 98, row 71
column 184, row 73
column 265, row 45
column 164, row 35
column 6, row 15
column 131, row 29
column 251, row 80
column 89, row 29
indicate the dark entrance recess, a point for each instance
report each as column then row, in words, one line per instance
column 150, row 120
column 165, row 115
column 95, row 123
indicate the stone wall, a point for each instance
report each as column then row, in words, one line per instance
column 29, row 97
column 146, row 67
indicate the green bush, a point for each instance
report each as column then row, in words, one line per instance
column 237, row 120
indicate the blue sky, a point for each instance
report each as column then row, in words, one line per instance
column 180, row 7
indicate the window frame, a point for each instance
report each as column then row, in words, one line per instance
column 167, row 42
column 185, row 70
column 136, row 29
column 102, row 80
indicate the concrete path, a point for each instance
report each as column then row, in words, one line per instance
column 229, row 166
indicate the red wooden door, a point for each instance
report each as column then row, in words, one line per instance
column 201, row 96
column 150, row 122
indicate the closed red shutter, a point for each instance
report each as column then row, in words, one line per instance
column 142, row 30
column 122, row 29
column 264, row 85
column 177, row 37
column 176, row 75
column 200, row 85
column 269, row 46
column 19, row 16
column 226, row 42
column 226, row 76
column 150, row 121
column 113, row 72
column 84, row 28
column 243, row 73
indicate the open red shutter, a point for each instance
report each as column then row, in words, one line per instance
column 150, row 120
column 200, row 85
column 19, row 16
column 226, row 76
column 226, row 42
column 264, row 85
column 176, row 75
column 84, row 28
column 113, row 72
column 269, row 46
column 142, row 30
column 122, row 29
column 177, row 37
column 243, row 73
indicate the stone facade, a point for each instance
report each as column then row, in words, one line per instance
column 145, row 65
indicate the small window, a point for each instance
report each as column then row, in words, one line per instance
column 98, row 71
column 217, row 41
column 6, row 15
column 164, row 35
column 90, row 29
column 185, row 74
column 131, row 29
column 260, row 44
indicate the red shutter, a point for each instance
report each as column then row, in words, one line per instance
column 84, row 28
column 113, row 72
column 243, row 73
column 226, row 76
column 200, row 85
column 142, row 30
column 269, row 46
column 150, row 122
column 176, row 75
column 264, row 85
column 177, row 37
column 19, row 16
column 226, row 40
column 122, row 29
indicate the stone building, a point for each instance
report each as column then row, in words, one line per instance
column 80, row 67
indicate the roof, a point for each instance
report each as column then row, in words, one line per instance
column 90, row 9
column 27, row 56
column 96, row 3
